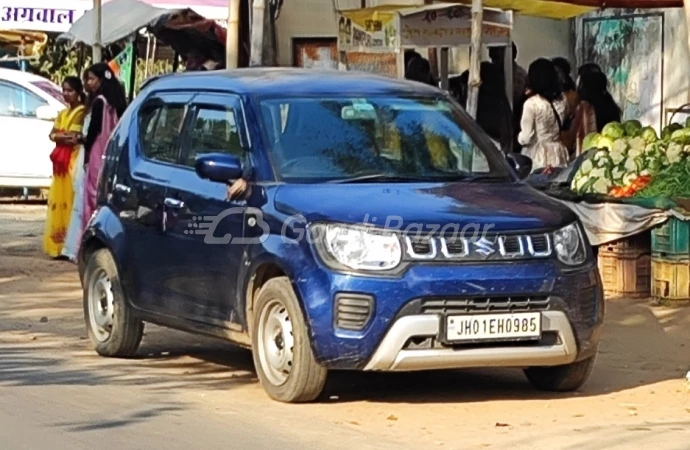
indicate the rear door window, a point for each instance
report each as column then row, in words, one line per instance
column 161, row 129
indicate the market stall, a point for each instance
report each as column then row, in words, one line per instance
column 375, row 39
column 18, row 48
column 633, row 179
column 189, row 34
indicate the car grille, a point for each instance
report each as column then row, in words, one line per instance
column 485, row 304
column 487, row 248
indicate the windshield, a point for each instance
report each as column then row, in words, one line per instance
column 50, row 88
column 377, row 138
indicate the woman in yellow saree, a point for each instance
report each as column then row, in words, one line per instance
column 65, row 134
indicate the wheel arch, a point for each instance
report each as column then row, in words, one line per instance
column 263, row 270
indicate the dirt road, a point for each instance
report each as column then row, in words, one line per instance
column 186, row 391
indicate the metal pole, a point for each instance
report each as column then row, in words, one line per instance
column 133, row 71
column 232, row 41
column 97, row 17
column 508, row 66
column 148, row 54
column 445, row 57
column 256, row 56
column 475, row 57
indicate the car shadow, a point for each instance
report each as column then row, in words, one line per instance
column 642, row 345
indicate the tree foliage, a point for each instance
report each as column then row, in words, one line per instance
column 59, row 60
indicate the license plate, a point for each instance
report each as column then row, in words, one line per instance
column 493, row 327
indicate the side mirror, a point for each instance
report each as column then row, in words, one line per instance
column 218, row 167
column 46, row 112
column 521, row 163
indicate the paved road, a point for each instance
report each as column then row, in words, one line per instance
column 189, row 392
column 72, row 409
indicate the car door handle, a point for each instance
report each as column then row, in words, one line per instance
column 122, row 188
column 174, row 203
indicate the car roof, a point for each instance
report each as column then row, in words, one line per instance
column 19, row 76
column 290, row 81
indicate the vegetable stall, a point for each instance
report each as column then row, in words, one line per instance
column 629, row 181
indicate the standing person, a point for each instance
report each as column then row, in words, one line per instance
column 67, row 128
column 570, row 91
column 588, row 68
column 107, row 103
column 419, row 70
column 542, row 117
column 496, row 54
column 493, row 110
column 597, row 107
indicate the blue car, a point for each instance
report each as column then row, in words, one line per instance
column 333, row 221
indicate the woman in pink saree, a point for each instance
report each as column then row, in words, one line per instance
column 107, row 103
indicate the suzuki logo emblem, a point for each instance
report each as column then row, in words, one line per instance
column 484, row 247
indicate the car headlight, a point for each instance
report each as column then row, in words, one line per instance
column 570, row 245
column 356, row 247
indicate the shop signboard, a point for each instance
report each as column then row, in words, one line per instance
column 59, row 15
column 40, row 15
column 369, row 32
column 450, row 27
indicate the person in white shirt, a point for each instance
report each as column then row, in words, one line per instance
column 543, row 116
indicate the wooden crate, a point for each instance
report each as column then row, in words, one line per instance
column 625, row 276
column 670, row 279
column 634, row 246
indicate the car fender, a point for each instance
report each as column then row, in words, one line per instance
column 295, row 261
column 104, row 231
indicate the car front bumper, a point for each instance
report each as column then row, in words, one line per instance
column 404, row 333
column 392, row 354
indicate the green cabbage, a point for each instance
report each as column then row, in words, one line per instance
column 605, row 143
column 633, row 128
column 667, row 132
column 613, row 130
column 591, row 141
column 649, row 135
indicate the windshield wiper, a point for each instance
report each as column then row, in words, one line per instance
column 483, row 177
column 378, row 177
column 391, row 178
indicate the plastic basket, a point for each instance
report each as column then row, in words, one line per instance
column 672, row 240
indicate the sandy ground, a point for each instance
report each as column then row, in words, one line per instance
column 638, row 395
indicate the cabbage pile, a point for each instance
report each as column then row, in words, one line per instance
column 627, row 153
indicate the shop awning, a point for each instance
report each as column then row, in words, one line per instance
column 566, row 9
column 24, row 43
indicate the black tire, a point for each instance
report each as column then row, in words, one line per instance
column 306, row 379
column 127, row 330
column 561, row 378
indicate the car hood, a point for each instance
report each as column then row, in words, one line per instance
column 506, row 206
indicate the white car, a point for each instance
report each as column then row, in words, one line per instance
column 29, row 105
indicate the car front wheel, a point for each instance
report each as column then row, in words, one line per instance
column 566, row 378
column 283, row 357
column 113, row 328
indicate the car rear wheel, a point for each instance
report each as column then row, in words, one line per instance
column 283, row 357
column 566, row 378
column 113, row 328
